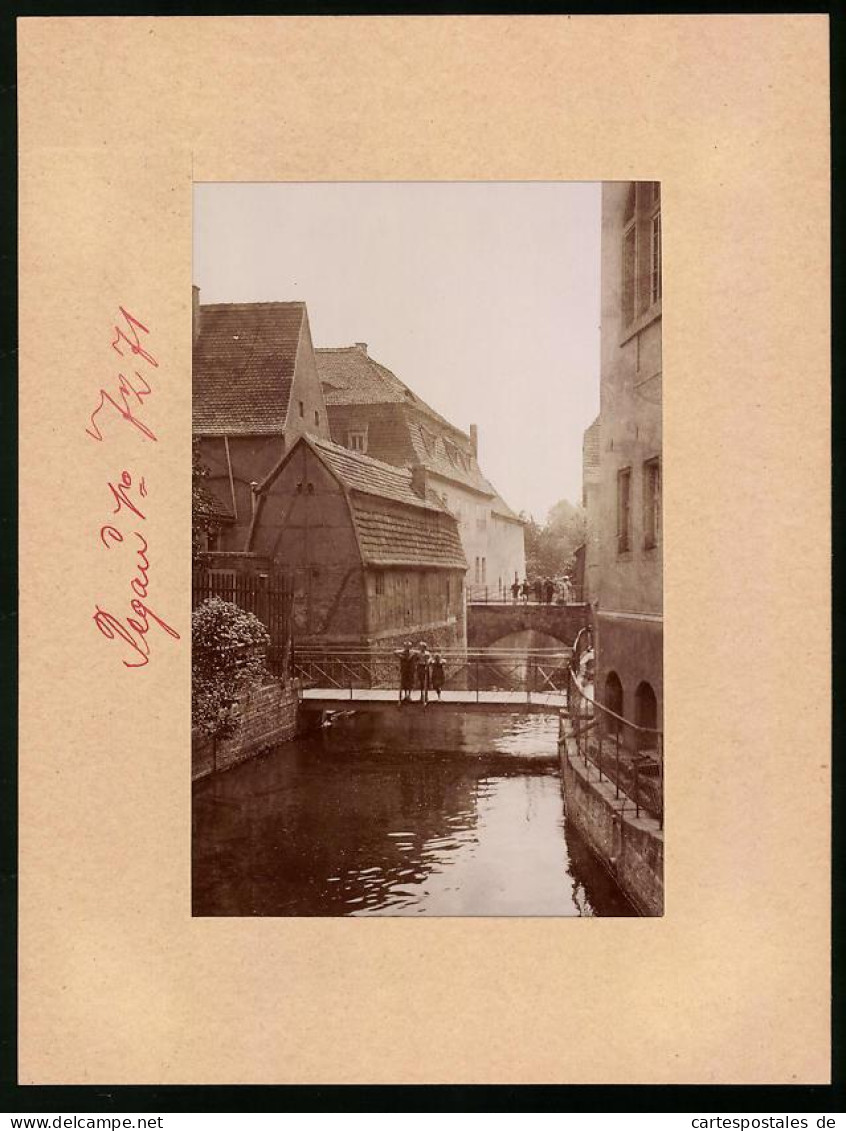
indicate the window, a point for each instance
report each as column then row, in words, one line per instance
column 357, row 440
column 484, row 570
column 429, row 440
column 629, row 267
column 380, row 584
column 624, row 509
column 302, row 409
column 651, row 503
column 316, row 419
column 477, row 571
column 655, row 292
column 482, row 518
column 457, row 457
column 641, row 250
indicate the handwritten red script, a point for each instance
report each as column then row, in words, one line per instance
column 128, row 494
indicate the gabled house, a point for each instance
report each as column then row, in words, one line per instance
column 372, row 411
column 372, row 554
column 255, row 392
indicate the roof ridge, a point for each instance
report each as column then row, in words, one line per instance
column 251, row 305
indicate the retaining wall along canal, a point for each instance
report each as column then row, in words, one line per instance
column 630, row 847
column 266, row 717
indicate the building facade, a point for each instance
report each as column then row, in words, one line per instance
column 623, row 464
column 370, row 410
column 371, row 554
column 255, row 392
column 588, row 561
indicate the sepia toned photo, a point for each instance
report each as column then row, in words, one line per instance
column 427, row 634
column 328, row 698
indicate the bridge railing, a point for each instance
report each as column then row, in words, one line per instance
column 530, row 672
column 492, row 595
column 630, row 757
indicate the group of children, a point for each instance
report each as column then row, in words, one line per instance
column 420, row 668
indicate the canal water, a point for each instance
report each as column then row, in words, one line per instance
column 409, row 812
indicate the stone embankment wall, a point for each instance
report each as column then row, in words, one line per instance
column 631, row 848
column 267, row 716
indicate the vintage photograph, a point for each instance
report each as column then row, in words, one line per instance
column 427, row 629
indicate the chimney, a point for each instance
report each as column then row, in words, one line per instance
column 474, row 440
column 418, row 480
column 362, row 346
column 195, row 312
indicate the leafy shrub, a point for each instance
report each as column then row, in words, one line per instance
column 229, row 647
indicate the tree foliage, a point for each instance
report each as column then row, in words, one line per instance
column 550, row 547
column 204, row 506
column 228, row 657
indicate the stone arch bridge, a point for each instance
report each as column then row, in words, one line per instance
column 491, row 624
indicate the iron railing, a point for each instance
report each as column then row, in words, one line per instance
column 268, row 596
column 491, row 595
column 531, row 673
column 630, row 757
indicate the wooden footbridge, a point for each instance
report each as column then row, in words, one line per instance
column 482, row 681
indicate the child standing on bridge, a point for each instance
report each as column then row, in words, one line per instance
column 424, row 671
column 437, row 673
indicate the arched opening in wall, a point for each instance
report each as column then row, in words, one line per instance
column 646, row 712
column 613, row 700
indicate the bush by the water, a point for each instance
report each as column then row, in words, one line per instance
column 228, row 657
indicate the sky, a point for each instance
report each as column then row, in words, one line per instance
column 482, row 297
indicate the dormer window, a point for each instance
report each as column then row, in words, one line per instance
column 429, row 440
column 357, row 439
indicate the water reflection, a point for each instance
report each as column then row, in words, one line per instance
column 403, row 813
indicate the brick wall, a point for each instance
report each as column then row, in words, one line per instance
column 267, row 716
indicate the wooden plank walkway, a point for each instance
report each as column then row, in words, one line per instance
column 385, row 699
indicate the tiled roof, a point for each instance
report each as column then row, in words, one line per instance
column 351, row 377
column 418, row 532
column 373, row 477
column 590, row 448
column 244, row 360
column 445, row 454
column 407, row 538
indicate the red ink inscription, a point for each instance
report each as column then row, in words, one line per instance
column 134, row 626
column 128, row 395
